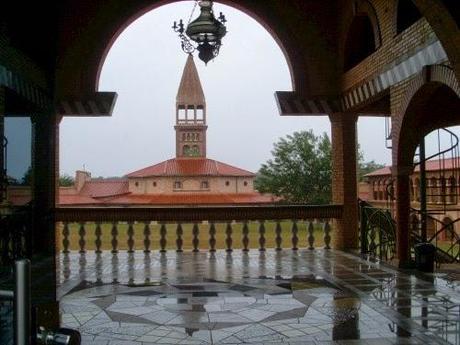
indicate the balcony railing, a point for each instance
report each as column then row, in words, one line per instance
column 195, row 228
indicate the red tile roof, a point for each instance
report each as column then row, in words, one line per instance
column 169, row 199
column 104, row 188
column 191, row 167
column 432, row 165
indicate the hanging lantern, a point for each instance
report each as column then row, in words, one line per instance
column 205, row 31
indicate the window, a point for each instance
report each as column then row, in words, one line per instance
column 227, row 183
column 204, row 185
column 200, row 114
column 182, row 114
column 136, row 184
column 186, row 150
column 154, row 184
column 177, row 185
column 195, row 151
column 245, row 183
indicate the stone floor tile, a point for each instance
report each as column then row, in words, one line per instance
column 286, row 297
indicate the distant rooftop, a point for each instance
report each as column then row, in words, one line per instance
column 432, row 165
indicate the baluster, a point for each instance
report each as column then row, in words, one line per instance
column 327, row 235
column 196, row 238
column 179, row 241
column 212, row 238
column 130, row 237
column 98, row 241
column 262, row 239
column 311, row 236
column 147, row 241
column 114, row 238
column 295, row 238
column 245, row 237
column 163, row 232
column 65, row 240
column 82, row 241
column 278, row 238
column 229, row 240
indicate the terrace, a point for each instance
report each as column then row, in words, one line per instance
column 271, row 297
column 144, row 276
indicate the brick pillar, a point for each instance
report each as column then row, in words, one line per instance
column 44, row 144
column 401, row 176
column 344, row 179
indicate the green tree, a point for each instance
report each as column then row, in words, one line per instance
column 300, row 170
column 66, row 181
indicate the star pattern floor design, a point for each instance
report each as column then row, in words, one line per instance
column 289, row 297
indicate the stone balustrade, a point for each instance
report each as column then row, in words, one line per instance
column 197, row 228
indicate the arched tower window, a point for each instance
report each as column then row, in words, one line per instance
column 407, row 15
column 186, row 150
column 195, row 151
column 360, row 42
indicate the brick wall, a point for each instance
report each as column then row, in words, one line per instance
column 393, row 47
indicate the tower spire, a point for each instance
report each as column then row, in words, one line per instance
column 190, row 91
column 190, row 114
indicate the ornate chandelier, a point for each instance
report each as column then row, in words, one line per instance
column 206, row 31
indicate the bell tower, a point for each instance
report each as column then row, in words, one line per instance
column 190, row 114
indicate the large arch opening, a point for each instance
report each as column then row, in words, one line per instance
column 432, row 105
column 240, row 109
column 275, row 33
column 232, row 84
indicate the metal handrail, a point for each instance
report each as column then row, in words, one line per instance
column 21, row 301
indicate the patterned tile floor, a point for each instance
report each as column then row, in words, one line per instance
column 303, row 297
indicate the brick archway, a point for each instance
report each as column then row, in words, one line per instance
column 444, row 24
column 84, row 50
column 428, row 81
column 431, row 101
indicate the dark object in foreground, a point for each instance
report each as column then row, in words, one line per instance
column 424, row 257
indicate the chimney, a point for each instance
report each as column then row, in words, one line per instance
column 81, row 177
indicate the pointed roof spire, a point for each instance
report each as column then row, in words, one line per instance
column 190, row 91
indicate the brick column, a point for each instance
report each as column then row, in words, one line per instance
column 344, row 179
column 401, row 176
column 44, row 177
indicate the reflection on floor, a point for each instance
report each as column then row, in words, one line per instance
column 303, row 297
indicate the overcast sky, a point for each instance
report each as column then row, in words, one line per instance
column 144, row 67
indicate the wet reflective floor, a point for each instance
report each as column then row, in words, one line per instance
column 288, row 297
